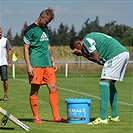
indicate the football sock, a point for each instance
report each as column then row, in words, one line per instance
column 34, row 105
column 104, row 98
column 113, row 101
column 53, row 99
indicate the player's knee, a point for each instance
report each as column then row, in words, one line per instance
column 53, row 88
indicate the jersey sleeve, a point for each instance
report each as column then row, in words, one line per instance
column 27, row 37
column 91, row 44
column 8, row 45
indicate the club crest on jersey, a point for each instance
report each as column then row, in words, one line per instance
column 44, row 37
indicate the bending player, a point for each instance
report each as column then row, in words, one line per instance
column 107, row 51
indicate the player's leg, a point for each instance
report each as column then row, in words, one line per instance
column 120, row 64
column 113, row 100
column 33, row 98
column 114, row 103
column 50, row 80
column 4, row 78
column 104, row 86
column 34, row 102
column 115, row 71
column 5, row 86
column 104, row 98
column 53, row 99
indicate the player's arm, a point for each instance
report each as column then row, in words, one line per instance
column 52, row 58
column 92, row 57
column 9, row 58
column 9, row 52
column 27, row 59
column 95, row 58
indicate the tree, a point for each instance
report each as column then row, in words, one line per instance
column 23, row 29
column 9, row 36
column 109, row 28
column 17, row 41
column 22, row 33
column 53, row 37
column 90, row 27
column 72, row 32
column 63, row 36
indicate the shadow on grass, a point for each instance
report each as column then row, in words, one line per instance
column 92, row 119
column 6, row 128
column 1, row 99
column 31, row 120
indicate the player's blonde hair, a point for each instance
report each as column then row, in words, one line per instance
column 49, row 12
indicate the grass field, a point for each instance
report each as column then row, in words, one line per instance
column 75, row 86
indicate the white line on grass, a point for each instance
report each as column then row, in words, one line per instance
column 82, row 93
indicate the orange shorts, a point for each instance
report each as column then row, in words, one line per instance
column 43, row 76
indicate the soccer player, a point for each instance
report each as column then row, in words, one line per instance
column 107, row 51
column 40, row 64
column 5, row 62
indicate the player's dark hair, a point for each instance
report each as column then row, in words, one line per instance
column 73, row 40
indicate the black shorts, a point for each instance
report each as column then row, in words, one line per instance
column 3, row 72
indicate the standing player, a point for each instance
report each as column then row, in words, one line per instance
column 5, row 49
column 104, row 50
column 40, row 64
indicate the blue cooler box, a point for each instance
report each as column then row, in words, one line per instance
column 78, row 110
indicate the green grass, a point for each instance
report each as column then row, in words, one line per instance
column 18, row 105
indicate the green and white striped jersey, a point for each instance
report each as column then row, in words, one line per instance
column 107, row 46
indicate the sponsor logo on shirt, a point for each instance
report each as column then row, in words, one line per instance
column 44, row 37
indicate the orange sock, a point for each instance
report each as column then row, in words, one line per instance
column 53, row 99
column 34, row 105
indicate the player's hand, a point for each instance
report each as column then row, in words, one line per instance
column 77, row 52
column 30, row 71
column 54, row 66
column 9, row 64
